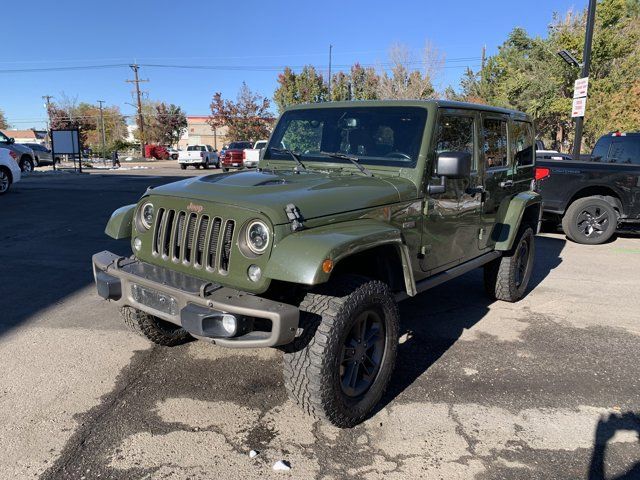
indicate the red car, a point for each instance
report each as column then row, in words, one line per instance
column 232, row 157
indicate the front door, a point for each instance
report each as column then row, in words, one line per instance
column 452, row 218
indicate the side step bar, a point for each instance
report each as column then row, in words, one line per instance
column 447, row 275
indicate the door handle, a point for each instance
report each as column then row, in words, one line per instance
column 506, row 184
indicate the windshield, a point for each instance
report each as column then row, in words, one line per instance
column 239, row 145
column 385, row 136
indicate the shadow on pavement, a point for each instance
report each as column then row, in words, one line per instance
column 433, row 321
column 50, row 228
column 605, row 431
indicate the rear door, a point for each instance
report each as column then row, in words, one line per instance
column 497, row 175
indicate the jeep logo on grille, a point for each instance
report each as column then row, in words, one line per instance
column 192, row 207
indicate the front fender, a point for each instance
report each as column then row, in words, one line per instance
column 298, row 257
column 510, row 215
column 119, row 225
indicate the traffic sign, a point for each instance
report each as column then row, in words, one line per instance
column 579, row 106
column 580, row 87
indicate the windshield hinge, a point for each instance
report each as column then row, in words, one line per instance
column 295, row 217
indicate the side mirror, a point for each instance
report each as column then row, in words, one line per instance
column 450, row 165
column 453, row 164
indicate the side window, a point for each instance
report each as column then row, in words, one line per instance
column 625, row 150
column 495, row 142
column 522, row 135
column 456, row 134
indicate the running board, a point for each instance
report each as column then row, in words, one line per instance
column 452, row 273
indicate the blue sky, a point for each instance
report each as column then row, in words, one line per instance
column 255, row 34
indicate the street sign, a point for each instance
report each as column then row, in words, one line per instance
column 578, row 108
column 580, row 87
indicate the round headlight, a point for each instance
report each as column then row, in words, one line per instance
column 257, row 237
column 146, row 215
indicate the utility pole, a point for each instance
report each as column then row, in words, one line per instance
column 586, row 62
column 484, row 56
column 104, row 137
column 330, row 50
column 47, row 100
column 137, row 82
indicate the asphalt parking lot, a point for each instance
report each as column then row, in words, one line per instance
column 546, row 388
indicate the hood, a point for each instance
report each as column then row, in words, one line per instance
column 316, row 194
column 22, row 148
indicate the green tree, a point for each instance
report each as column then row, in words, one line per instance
column 3, row 121
column 364, row 83
column 340, row 87
column 248, row 118
column 169, row 123
column 308, row 86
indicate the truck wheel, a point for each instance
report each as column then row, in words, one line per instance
column 225, row 169
column 26, row 164
column 183, row 166
column 590, row 220
column 205, row 165
column 153, row 328
column 507, row 277
column 340, row 365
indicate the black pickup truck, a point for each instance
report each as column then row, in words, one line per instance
column 592, row 199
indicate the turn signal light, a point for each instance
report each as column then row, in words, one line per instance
column 542, row 172
column 327, row 265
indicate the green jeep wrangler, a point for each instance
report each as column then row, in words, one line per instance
column 354, row 207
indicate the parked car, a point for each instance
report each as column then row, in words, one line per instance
column 43, row 155
column 173, row 153
column 198, row 156
column 592, row 199
column 26, row 157
column 251, row 156
column 312, row 253
column 9, row 169
column 233, row 156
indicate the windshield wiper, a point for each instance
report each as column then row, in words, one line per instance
column 293, row 155
column 353, row 159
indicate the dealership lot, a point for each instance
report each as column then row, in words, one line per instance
column 545, row 388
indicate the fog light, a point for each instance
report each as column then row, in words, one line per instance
column 137, row 243
column 230, row 324
column 254, row 273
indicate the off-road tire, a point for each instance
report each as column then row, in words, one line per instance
column 502, row 280
column 183, row 166
column 312, row 361
column 26, row 164
column 597, row 205
column 154, row 329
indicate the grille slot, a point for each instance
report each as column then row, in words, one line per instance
column 157, row 233
column 225, row 251
column 201, row 240
column 167, row 234
column 178, row 241
column 190, row 234
column 213, row 243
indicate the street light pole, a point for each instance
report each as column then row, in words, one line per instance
column 104, row 138
column 586, row 61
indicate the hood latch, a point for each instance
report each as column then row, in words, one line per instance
column 295, row 217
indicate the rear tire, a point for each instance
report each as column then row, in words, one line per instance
column 153, row 328
column 225, row 169
column 183, row 166
column 5, row 180
column 205, row 165
column 507, row 277
column 338, row 368
column 590, row 221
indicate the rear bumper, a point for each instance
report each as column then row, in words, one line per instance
column 192, row 303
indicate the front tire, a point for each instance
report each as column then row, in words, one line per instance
column 225, row 169
column 153, row 328
column 205, row 165
column 507, row 277
column 26, row 164
column 183, row 166
column 340, row 365
column 590, row 220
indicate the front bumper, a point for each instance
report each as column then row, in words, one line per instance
column 192, row 303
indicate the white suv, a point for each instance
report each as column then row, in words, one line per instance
column 9, row 169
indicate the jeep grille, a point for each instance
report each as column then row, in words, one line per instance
column 193, row 239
